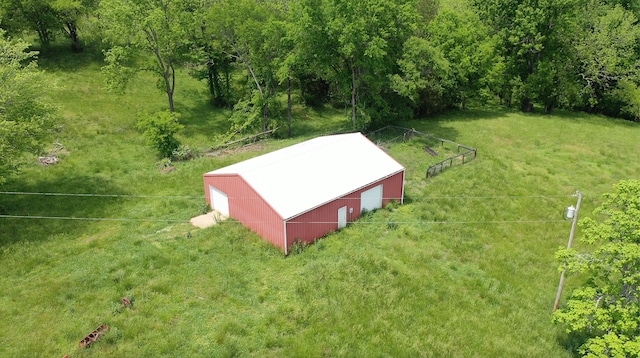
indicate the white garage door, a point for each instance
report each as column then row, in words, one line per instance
column 219, row 200
column 371, row 199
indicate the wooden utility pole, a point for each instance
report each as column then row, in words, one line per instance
column 569, row 244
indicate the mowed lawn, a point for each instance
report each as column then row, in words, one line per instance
column 464, row 268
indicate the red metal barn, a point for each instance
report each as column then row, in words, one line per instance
column 304, row 191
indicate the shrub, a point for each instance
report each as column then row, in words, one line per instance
column 158, row 129
column 184, row 152
column 163, row 163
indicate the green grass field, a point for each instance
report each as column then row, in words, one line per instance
column 465, row 268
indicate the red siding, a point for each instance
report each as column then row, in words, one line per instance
column 246, row 206
column 393, row 188
column 324, row 219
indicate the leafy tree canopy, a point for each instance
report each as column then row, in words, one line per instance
column 606, row 309
column 25, row 118
column 47, row 18
column 155, row 28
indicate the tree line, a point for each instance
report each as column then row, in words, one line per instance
column 381, row 60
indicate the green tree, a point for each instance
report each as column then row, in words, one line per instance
column 607, row 47
column 565, row 53
column 25, row 118
column 69, row 13
column 606, row 308
column 29, row 15
column 310, row 56
column 208, row 61
column 630, row 5
column 426, row 76
column 629, row 93
column 470, row 49
column 286, row 61
column 356, row 46
column 156, row 29
column 244, row 30
column 47, row 18
column 530, row 34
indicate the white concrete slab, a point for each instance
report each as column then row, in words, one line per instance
column 207, row 220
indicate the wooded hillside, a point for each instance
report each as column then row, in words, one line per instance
column 382, row 60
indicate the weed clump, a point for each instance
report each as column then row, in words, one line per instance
column 184, row 153
column 298, row 247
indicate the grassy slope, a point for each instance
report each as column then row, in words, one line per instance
column 392, row 284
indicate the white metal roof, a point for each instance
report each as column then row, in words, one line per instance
column 298, row 178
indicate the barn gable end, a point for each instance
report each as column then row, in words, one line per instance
column 248, row 207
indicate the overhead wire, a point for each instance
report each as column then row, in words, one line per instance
column 103, row 195
column 42, row 217
column 240, row 197
column 45, row 217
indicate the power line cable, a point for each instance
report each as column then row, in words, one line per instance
column 87, row 219
column 291, row 222
column 499, row 197
column 104, row 195
column 238, row 197
column 432, row 222
column 44, row 217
